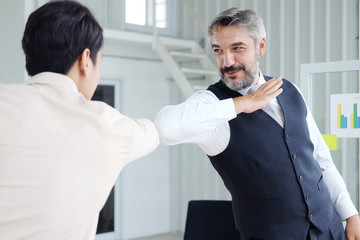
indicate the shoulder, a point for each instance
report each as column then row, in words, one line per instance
column 284, row 80
column 204, row 96
column 286, row 83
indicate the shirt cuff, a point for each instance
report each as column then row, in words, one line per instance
column 346, row 209
column 226, row 109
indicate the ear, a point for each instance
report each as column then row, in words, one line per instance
column 262, row 47
column 85, row 62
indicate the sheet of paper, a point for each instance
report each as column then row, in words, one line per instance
column 331, row 141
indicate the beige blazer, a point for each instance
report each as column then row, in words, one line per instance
column 60, row 155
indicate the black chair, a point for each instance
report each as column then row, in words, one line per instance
column 210, row 220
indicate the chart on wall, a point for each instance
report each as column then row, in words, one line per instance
column 345, row 115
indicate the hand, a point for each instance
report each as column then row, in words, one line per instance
column 260, row 98
column 353, row 228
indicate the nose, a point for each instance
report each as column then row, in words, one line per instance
column 229, row 59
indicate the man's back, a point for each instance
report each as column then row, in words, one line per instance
column 60, row 155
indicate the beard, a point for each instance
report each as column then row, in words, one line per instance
column 245, row 82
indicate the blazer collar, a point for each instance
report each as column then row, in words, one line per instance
column 50, row 78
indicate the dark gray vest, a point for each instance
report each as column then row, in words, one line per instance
column 276, row 185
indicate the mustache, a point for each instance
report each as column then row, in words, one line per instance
column 239, row 67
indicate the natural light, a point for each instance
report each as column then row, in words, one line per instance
column 135, row 11
column 139, row 12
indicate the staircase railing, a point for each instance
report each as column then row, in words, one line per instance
column 197, row 55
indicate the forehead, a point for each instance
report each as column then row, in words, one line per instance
column 228, row 35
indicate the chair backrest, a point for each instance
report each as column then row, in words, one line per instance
column 210, row 220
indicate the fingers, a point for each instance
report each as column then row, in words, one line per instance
column 273, row 83
column 271, row 88
column 260, row 98
column 276, row 93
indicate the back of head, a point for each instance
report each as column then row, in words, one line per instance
column 56, row 34
column 243, row 18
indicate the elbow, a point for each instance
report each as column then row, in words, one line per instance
column 166, row 132
column 167, row 129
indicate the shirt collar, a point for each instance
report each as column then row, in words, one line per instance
column 261, row 82
column 56, row 79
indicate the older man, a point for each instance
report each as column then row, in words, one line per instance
column 263, row 141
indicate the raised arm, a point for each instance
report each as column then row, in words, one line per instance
column 197, row 119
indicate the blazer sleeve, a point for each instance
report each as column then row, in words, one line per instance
column 145, row 138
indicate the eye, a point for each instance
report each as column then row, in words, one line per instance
column 217, row 51
column 239, row 48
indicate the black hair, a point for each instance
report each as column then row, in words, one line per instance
column 56, row 34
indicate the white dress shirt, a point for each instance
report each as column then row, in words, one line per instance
column 203, row 119
column 60, row 155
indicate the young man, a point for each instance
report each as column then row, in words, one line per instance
column 60, row 153
column 263, row 141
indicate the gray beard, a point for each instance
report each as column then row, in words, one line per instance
column 250, row 76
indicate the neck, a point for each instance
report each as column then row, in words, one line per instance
column 257, row 78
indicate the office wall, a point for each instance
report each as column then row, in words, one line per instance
column 12, row 59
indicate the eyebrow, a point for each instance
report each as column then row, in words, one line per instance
column 238, row 44
column 233, row 45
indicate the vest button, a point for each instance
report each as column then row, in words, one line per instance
column 287, row 136
column 301, row 177
column 310, row 216
column 307, row 198
column 293, row 156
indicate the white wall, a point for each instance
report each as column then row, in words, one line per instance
column 12, row 60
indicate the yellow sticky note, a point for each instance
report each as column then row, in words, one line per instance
column 331, row 141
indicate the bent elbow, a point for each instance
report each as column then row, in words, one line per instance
column 166, row 131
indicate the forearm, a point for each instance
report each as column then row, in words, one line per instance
column 339, row 194
column 194, row 120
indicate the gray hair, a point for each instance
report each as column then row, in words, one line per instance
column 242, row 18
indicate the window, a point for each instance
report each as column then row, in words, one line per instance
column 139, row 15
